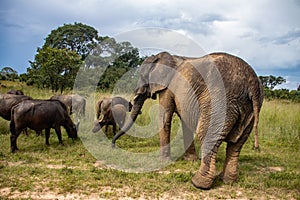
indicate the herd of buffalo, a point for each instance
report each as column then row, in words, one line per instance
column 25, row 112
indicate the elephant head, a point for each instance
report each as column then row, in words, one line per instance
column 155, row 75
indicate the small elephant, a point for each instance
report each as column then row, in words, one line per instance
column 106, row 103
column 217, row 96
column 114, row 115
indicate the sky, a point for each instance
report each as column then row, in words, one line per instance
column 265, row 33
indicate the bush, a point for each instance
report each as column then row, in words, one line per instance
column 283, row 94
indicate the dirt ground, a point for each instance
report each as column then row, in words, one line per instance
column 223, row 192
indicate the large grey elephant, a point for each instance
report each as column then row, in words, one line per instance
column 217, row 96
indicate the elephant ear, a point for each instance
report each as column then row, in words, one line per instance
column 98, row 109
column 162, row 73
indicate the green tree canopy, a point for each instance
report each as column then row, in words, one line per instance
column 271, row 81
column 104, row 59
column 121, row 65
column 109, row 61
column 8, row 73
column 76, row 37
column 54, row 68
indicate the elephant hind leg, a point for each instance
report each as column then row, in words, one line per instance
column 230, row 171
column 211, row 135
column 204, row 178
column 189, row 146
column 210, row 139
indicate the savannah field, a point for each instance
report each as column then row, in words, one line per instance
column 81, row 169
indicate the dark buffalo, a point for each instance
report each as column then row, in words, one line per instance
column 39, row 115
column 16, row 92
column 7, row 101
column 74, row 102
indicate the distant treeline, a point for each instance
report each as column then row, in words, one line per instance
column 269, row 83
column 283, row 94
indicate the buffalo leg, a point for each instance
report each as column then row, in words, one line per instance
column 58, row 133
column 47, row 134
column 13, row 142
column 13, row 137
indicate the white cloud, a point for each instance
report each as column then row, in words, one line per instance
column 266, row 33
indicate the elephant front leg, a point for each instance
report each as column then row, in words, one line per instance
column 164, row 134
column 164, row 123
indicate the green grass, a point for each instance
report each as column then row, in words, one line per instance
column 70, row 169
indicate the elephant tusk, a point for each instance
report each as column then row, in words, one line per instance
column 135, row 97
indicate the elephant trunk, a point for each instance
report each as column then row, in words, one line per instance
column 136, row 110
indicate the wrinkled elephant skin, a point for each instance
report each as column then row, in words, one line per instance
column 217, row 96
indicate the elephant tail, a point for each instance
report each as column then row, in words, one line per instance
column 257, row 101
column 255, row 127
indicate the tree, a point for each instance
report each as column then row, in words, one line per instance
column 57, row 62
column 270, row 82
column 9, row 74
column 54, row 68
column 24, row 78
column 124, row 58
column 98, row 53
column 76, row 37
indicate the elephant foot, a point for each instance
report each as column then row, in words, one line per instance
column 165, row 158
column 228, row 178
column 202, row 182
column 190, row 157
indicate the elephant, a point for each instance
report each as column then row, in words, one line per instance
column 106, row 102
column 113, row 115
column 217, row 96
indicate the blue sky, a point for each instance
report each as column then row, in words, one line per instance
column 265, row 33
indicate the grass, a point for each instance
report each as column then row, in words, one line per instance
column 71, row 171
